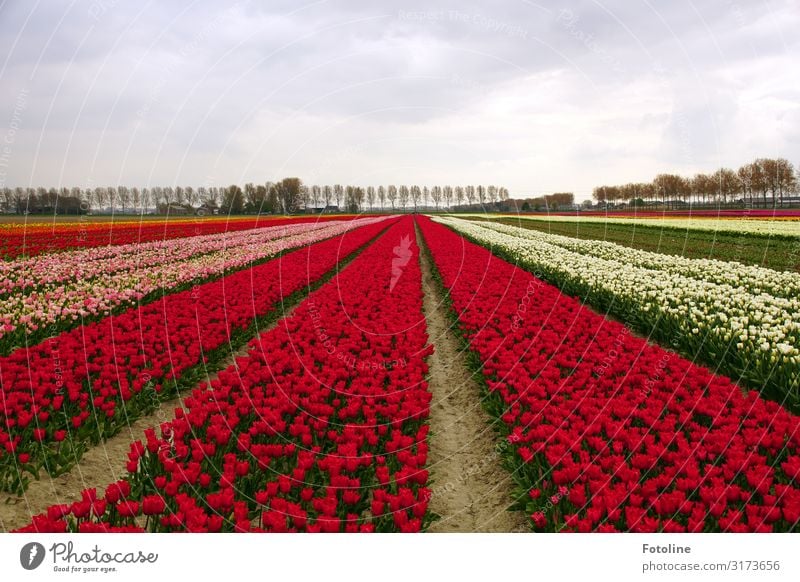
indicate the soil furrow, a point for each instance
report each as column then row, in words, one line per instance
column 471, row 491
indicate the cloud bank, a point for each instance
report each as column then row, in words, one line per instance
column 538, row 97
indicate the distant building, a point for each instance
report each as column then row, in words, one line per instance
column 58, row 205
column 207, row 209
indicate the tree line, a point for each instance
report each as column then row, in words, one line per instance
column 287, row 196
column 763, row 182
column 549, row 202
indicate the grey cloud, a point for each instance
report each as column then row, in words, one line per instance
column 532, row 91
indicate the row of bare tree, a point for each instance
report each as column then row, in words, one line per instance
column 286, row 196
column 283, row 198
column 764, row 182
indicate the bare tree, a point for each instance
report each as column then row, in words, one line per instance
column 146, row 197
column 136, row 198
column 88, row 196
column 156, row 195
column 600, row 194
column 371, row 195
column 192, row 196
column 391, row 194
column 403, row 194
column 703, row 187
column 759, row 180
column 447, row 192
column 727, row 184
column 170, row 196
column 316, row 196
column 338, row 193
column 627, row 192
column 470, row 193
column 436, row 196
column 459, row 194
column 416, row 194
column 112, row 197
column 778, row 177
column 786, row 178
column 481, row 193
column 382, row 196
column 491, row 193
column 8, row 199
column 669, row 186
column 124, row 197
column 101, row 196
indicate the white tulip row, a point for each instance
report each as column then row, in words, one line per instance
column 755, row 279
column 778, row 227
column 748, row 334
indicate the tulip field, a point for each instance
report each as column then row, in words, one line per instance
column 289, row 361
column 608, row 432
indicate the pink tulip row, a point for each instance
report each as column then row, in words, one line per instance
column 45, row 271
column 59, row 306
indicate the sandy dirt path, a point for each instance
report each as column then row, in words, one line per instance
column 471, row 491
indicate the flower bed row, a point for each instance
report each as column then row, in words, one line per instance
column 756, row 280
column 321, row 427
column 750, row 213
column 747, row 335
column 761, row 226
column 31, row 238
column 606, row 432
column 37, row 273
column 83, row 385
column 60, row 306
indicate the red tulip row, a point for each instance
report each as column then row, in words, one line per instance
column 39, row 238
column 606, row 432
column 321, row 427
column 85, row 384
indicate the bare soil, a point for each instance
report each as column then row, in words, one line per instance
column 471, row 491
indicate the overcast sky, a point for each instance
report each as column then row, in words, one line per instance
column 535, row 96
